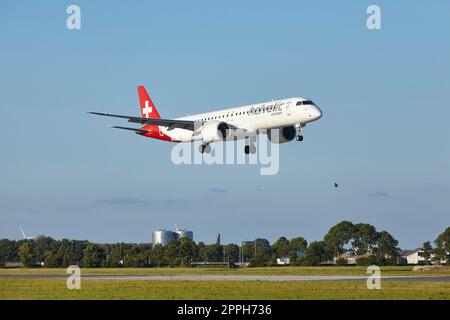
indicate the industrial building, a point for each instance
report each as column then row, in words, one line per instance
column 180, row 233
column 163, row 236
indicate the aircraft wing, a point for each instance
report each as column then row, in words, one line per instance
column 170, row 123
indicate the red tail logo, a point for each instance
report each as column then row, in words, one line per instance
column 148, row 109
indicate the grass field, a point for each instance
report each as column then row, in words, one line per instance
column 298, row 271
column 131, row 289
column 13, row 288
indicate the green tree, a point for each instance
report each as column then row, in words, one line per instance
column 316, row 253
column 137, row 257
column 214, row 253
column 114, row 256
column 260, row 259
column 201, row 248
column 298, row 244
column 439, row 254
column 262, row 245
column 387, row 251
column 248, row 250
column 187, row 251
column 442, row 243
column 44, row 244
column 232, row 252
column 27, row 253
column 427, row 250
column 93, row 256
column 365, row 238
column 281, row 247
column 77, row 249
column 171, row 253
column 157, row 254
column 7, row 251
column 338, row 236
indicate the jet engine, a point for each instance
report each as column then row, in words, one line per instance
column 215, row 131
column 282, row 135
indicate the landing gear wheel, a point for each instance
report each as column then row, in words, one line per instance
column 204, row 148
column 299, row 138
column 250, row 149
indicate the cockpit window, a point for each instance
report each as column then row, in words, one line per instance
column 306, row 102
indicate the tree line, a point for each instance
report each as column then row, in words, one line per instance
column 369, row 246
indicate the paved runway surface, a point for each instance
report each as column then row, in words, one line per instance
column 230, row 277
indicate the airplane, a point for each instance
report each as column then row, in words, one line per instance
column 283, row 120
column 25, row 236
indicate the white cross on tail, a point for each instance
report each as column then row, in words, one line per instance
column 147, row 110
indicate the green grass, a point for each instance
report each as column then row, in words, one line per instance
column 138, row 289
column 301, row 271
column 11, row 288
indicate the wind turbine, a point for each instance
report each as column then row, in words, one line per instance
column 25, row 236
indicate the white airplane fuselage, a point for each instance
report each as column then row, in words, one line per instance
column 282, row 121
column 267, row 115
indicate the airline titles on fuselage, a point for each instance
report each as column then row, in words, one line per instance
column 276, row 107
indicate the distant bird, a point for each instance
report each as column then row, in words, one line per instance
column 336, row 185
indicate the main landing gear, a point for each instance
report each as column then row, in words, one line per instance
column 205, row 148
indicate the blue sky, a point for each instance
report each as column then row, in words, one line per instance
column 384, row 135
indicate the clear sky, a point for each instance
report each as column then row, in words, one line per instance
column 384, row 136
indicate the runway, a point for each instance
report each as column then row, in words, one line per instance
column 228, row 277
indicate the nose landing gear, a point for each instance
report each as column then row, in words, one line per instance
column 299, row 136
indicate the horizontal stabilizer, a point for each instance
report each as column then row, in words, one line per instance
column 137, row 130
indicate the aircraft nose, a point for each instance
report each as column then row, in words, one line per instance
column 317, row 113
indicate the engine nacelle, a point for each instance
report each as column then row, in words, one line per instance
column 282, row 135
column 215, row 131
